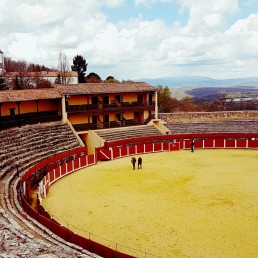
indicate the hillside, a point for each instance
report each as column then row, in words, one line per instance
column 210, row 93
column 206, row 89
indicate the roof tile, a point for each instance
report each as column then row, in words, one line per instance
column 104, row 88
column 30, row 94
column 74, row 89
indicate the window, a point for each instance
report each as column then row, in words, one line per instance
column 105, row 100
column 12, row 112
column 118, row 98
column 94, row 100
column 106, row 119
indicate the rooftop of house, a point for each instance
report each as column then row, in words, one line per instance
column 104, row 88
column 74, row 89
column 29, row 94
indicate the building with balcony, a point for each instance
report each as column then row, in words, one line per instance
column 105, row 105
column 31, row 106
column 86, row 107
column 94, row 106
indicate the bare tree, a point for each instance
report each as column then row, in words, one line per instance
column 63, row 68
column 3, row 85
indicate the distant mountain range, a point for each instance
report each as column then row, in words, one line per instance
column 205, row 89
column 199, row 81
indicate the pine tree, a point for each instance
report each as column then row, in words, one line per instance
column 80, row 66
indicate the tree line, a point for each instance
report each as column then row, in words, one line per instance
column 80, row 66
column 28, row 75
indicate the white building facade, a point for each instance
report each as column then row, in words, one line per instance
column 2, row 69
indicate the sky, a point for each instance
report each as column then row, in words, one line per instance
column 135, row 39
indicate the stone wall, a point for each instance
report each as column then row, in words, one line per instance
column 196, row 117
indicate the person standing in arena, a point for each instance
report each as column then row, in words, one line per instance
column 133, row 161
column 140, row 163
column 192, row 146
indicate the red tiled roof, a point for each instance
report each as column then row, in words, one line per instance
column 104, row 88
column 60, row 90
column 30, row 94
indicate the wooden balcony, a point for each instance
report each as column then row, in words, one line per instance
column 115, row 106
column 29, row 119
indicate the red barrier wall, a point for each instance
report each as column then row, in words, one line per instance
column 63, row 169
column 140, row 148
column 252, row 143
column 157, row 146
column 131, row 150
column 149, row 147
column 241, row 143
column 174, row 146
column 116, row 153
column 208, row 143
column 165, row 145
column 51, row 176
column 58, row 172
column 70, row 166
column 230, row 143
column 219, row 143
column 91, row 159
column 76, row 164
column 83, row 161
column 124, row 151
column 104, row 154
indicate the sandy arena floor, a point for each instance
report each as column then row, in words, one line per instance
column 181, row 204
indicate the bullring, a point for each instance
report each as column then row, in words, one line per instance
column 25, row 147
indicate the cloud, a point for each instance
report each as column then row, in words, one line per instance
column 243, row 35
column 149, row 3
column 113, row 3
column 208, row 16
column 133, row 48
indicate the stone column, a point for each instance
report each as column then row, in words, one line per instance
column 64, row 113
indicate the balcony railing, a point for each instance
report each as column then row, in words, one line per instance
column 28, row 119
column 82, row 107
column 112, row 106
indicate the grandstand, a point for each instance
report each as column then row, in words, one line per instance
column 128, row 132
column 213, row 127
column 19, row 145
column 20, row 148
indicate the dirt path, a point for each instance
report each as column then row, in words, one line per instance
column 181, row 204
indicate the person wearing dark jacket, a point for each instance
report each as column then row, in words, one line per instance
column 140, row 163
column 192, row 146
column 133, row 161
